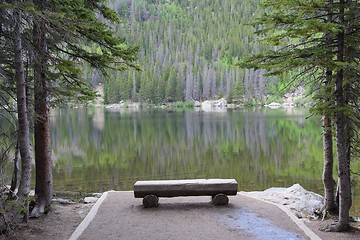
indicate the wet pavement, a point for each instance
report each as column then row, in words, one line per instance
column 255, row 225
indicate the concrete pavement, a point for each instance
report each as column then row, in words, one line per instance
column 118, row 215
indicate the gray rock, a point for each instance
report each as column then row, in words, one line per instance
column 300, row 201
column 97, row 195
column 214, row 105
column 90, row 199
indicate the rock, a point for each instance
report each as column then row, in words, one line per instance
column 123, row 105
column 273, row 105
column 300, row 201
column 221, row 103
column 97, row 195
column 197, row 104
column 214, row 105
column 90, row 199
column 62, row 201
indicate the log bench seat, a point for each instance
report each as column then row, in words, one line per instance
column 218, row 189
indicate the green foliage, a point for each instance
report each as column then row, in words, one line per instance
column 274, row 98
column 230, row 98
column 172, row 11
column 182, row 104
column 298, row 32
column 11, row 211
column 80, row 31
column 311, row 37
column 178, row 40
column 52, row 39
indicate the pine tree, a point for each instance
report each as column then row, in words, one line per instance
column 314, row 38
column 175, row 33
column 60, row 34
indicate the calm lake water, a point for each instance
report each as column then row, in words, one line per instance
column 99, row 149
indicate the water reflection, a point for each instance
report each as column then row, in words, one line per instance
column 116, row 148
column 99, row 149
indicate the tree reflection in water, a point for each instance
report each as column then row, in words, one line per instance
column 99, row 149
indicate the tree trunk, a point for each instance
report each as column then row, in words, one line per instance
column 343, row 164
column 341, row 121
column 327, row 177
column 43, row 162
column 328, row 180
column 16, row 171
column 23, row 121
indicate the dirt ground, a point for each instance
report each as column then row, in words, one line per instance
column 58, row 224
column 62, row 220
column 317, row 225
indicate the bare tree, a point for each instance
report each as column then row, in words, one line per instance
column 189, row 83
column 205, row 83
column 196, row 87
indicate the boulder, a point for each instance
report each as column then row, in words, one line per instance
column 197, row 104
column 300, row 201
column 90, row 199
column 214, row 105
column 97, row 195
column 273, row 105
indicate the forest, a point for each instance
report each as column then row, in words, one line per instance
column 188, row 51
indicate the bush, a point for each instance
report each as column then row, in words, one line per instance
column 274, row 98
column 183, row 104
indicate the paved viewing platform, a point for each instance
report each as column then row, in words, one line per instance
column 118, row 215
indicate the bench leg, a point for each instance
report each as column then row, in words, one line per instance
column 150, row 201
column 220, row 200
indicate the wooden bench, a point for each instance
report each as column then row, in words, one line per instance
column 218, row 189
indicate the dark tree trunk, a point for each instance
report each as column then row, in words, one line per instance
column 43, row 162
column 23, row 121
column 341, row 121
column 343, row 163
column 16, row 171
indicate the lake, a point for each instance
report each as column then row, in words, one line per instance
column 97, row 149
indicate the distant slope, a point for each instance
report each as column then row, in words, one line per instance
column 187, row 51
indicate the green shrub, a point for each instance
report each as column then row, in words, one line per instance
column 180, row 104
column 274, row 98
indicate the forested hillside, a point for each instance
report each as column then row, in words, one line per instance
column 187, row 52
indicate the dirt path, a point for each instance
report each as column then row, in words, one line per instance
column 59, row 223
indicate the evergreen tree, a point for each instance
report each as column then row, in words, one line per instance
column 196, row 34
column 170, row 90
column 314, row 40
column 60, row 34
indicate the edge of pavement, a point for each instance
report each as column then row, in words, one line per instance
column 89, row 217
